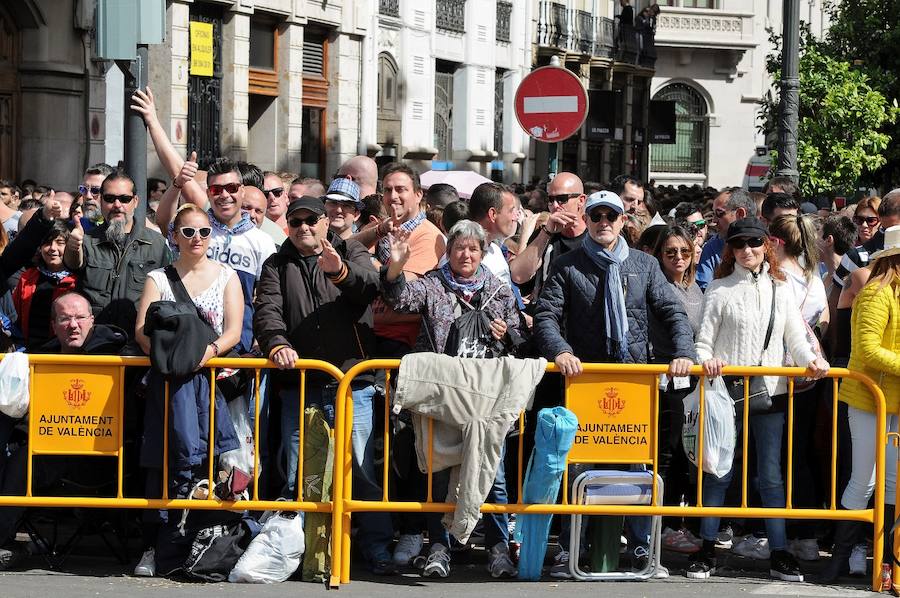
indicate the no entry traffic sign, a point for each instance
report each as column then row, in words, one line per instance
column 551, row 104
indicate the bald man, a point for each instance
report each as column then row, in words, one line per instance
column 254, row 204
column 363, row 171
column 563, row 231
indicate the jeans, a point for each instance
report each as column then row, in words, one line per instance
column 496, row 527
column 862, row 478
column 768, row 429
column 375, row 529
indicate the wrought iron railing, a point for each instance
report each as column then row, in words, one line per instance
column 504, row 11
column 451, row 15
column 605, row 37
column 389, row 8
column 559, row 23
column 584, row 22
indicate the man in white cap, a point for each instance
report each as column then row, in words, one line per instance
column 628, row 286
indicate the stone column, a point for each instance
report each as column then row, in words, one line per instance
column 290, row 96
column 235, row 82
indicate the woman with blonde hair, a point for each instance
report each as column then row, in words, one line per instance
column 875, row 352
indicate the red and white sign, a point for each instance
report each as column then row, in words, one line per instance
column 551, row 104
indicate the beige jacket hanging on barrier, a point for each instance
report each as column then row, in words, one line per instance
column 473, row 403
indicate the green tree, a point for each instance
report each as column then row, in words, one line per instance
column 840, row 138
column 866, row 33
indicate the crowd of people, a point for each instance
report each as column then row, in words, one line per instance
column 233, row 261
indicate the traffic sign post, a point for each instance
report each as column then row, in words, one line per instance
column 551, row 105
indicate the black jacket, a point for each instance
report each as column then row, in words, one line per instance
column 570, row 311
column 298, row 305
column 178, row 337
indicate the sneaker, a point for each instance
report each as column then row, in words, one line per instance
column 783, row 566
column 381, row 563
column 438, row 562
column 639, row 563
column 886, row 577
column 678, row 541
column 408, row 547
column 858, row 560
column 500, row 563
column 11, row 557
column 725, row 537
column 703, row 565
column 805, row 550
column 146, row 567
column 560, row 567
column 752, row 547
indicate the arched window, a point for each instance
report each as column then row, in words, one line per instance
column 688, row 153
column 387, row 86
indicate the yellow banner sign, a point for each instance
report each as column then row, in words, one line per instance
column 75, row 412
column 615, row 422
column 201, row 49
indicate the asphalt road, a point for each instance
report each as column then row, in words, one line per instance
column 92, row 576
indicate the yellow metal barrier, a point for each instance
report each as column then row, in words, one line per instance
column 630, row 382
column 76, row 408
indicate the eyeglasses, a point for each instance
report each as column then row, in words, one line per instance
column 721, row 213
column 275, row 191
column 228, row 188
column 83, row 189
column 674, row 252
column 869, row 220
column 599, row 216
column 188, row 232
column 62, row 320
column 742, row 242
column 563, row 197
column 111, row 198
column 309, row 221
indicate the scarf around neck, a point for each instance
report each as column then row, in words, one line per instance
column 383, row 252
column 56, row 277
column 466, row 286
column 243, row 225
column 616, row 317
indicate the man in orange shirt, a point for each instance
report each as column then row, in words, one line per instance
column 396, row 333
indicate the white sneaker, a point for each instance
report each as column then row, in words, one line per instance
column 752, row 547
column 858, row 558
column 438, row 563
column 408, row 547
column 146, row 567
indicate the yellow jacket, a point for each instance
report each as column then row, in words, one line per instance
column 875, row 347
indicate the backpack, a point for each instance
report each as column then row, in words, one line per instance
column 470, row 333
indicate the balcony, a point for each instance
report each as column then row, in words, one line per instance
column 604, row 40
column 584, row 32
column 504, row 11
column 389, row 8
column 451, row 15
column 679, row 27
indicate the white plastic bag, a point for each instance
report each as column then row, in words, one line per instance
column 243, row 457
column 14, row 395
column 718, row 428
column 275, row 553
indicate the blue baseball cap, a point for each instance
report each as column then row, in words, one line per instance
column 344, row 189
column 604, row 198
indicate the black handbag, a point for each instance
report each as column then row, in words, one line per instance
column 758, row 396
column 232, row 386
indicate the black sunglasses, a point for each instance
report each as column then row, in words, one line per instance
column 112, row 198
column 83, row 189
column 742, row 242
column 599, row 216
column 276, row 191
column 309, row 221
column 562, row 197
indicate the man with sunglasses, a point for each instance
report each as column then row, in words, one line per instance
column 730, row 205
column 314, row 301
column 561, row 233
column 276, row 199
column 596, row 306
column 90, row 191
column 236, row 240
column 111, row 261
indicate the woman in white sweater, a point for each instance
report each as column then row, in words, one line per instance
column 736, row 313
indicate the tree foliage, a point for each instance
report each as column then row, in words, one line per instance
column 866, row 33
column 842, row 116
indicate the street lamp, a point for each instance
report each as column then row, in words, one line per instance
column 788, row 113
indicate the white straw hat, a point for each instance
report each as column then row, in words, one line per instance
column 891, row 243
